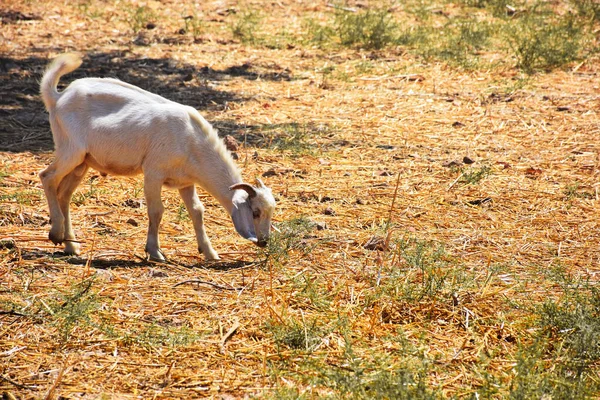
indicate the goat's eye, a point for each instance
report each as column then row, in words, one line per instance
column 256, row 213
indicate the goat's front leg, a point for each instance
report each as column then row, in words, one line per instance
column 152, row 190
column 196, row 211
column 65, row 191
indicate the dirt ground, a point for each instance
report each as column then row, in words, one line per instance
column 501, row 174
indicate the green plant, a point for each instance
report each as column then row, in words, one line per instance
column 372, row 28
column 318, row 33
column 22, row 197
column 80, row 197
column 499, row 8
column 572, row 191
column 4, row 172
column 426, row 262
column 244, row 26
column 296, row 335
column 139, row 17
column 182, row 213
column 539, row 375
column 372, row 378
column 588, row 9
column 291, row 236
column 475, row 176
column 86, row 8
column 540, row 40
column 154, row 335
column 575, row 320
column 311, row 292
column 74, row 307
column 294, row 137
column 194, row 25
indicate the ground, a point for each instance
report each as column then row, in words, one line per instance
column 438, row 223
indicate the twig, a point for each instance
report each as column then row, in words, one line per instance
column 456, row 180
column 57, row 381
column 228, row 335
column 100, row 214
column 393, row 200
column 11, row 312
column 208, row 283
column 17, row 384
column 408, row 77
column 337, row 7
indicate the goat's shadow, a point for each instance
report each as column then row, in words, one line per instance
column 25, row 126
column 113, row 263
column 99, row 263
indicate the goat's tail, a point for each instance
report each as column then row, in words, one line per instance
column 61, row 65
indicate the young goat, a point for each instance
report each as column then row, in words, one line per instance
column 120, row 129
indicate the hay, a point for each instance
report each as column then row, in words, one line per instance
column 379, row 150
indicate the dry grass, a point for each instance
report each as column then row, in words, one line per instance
column 449, row 294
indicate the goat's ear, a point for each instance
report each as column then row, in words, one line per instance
column 260, row 184
column 243, row 220
column 245, row 187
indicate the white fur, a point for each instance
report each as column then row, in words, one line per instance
column 120, row 129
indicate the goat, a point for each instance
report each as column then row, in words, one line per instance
column 117, row 128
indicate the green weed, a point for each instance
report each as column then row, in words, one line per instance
column 372, row 28
column 3, row 174
column 194, row 25
column 498, row 8
column 139, row 17
column 155, row 335
column 296, row 335
column 573, row 191
column 540, row 40
column 80, row 197
column 560, row 361
column 292, row 235
column 318, row 33
column 87, row 8
column 311, row 292
column 575, row 320
column 426, row 266
column 475, row 176
column 22, row 197
column 245, row 25
column 458, row 42
column 589, row 10
column 286, row 393
column 293, row 137
column 182, row 213
column 539, row 375
column 73, row 308
column 358, row 377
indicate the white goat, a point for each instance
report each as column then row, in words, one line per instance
column 120, row 129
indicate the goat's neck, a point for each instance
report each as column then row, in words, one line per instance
column 222, row 193
column 222, row 174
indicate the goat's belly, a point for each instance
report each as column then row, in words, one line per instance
column 113, row 167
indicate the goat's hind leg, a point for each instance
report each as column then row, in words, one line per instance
column 65, row 191
column 196, row 211
column 51, row 178
column 152, row 191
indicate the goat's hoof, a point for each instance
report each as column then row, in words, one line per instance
column 72, row 248
column 209, row 255
column 156, row 256
column 56, row 237
column 213, row 257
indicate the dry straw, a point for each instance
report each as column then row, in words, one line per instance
column 379, row 155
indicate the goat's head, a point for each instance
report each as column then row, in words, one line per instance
column 253, row 208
